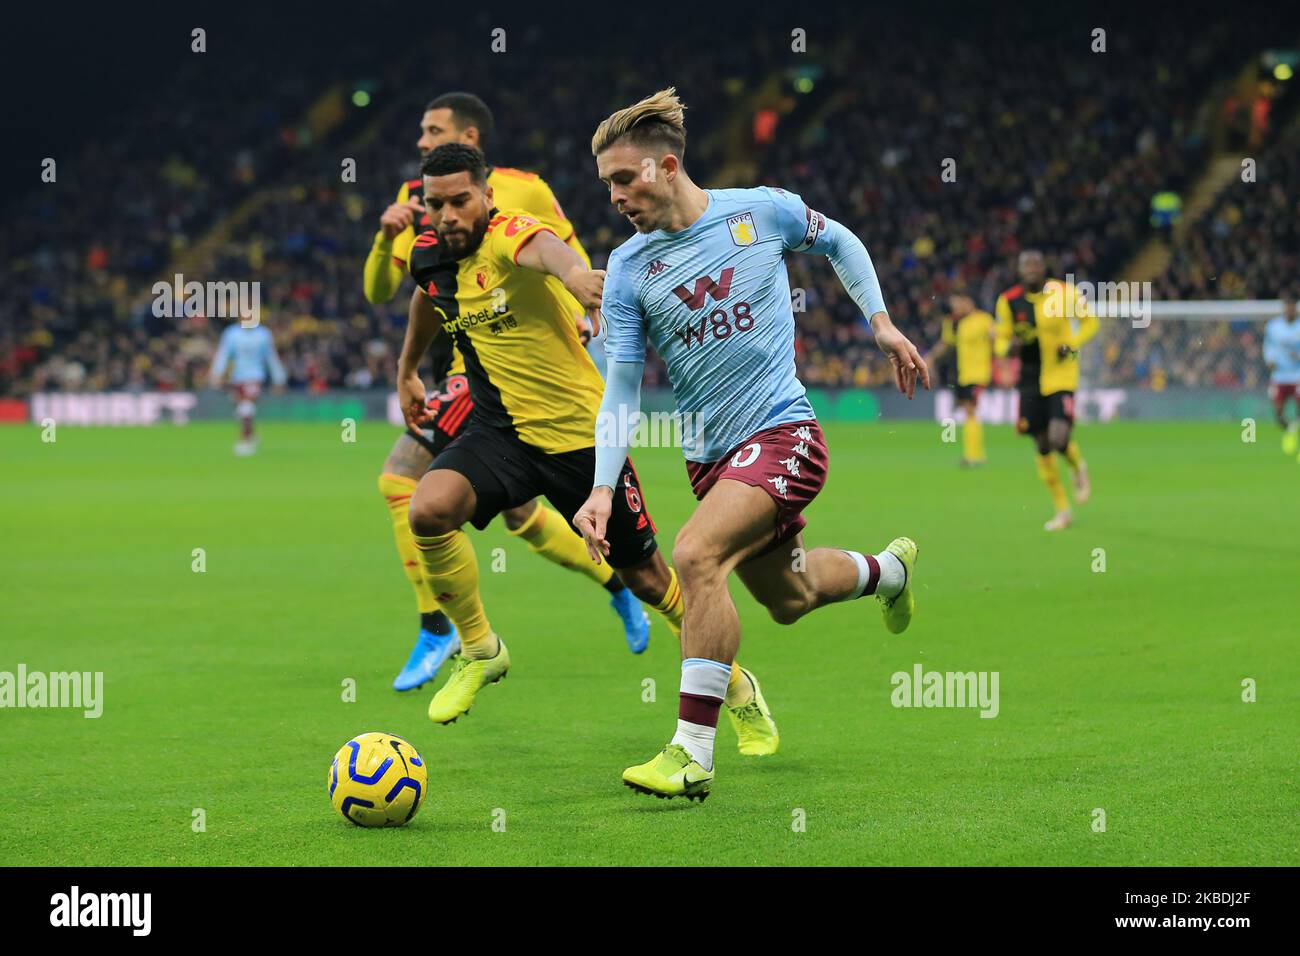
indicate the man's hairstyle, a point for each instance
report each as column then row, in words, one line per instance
column 468, row 110
column 451, row 158
column 658, row 121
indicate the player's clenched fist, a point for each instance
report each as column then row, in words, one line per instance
column 398, row 217
column 592, row 518
column 586, row 285
column 414, row 400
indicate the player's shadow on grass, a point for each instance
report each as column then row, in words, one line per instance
column 644, row 803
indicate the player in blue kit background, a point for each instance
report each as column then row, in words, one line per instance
column 1282, row 356
column 251, row 356
column 704, row 281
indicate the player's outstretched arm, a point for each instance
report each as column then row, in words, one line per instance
column 620, row 409
column 804, row 230
column 857, row 274
column 544, row 252
column 421, row 328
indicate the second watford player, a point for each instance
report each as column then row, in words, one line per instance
column 968, row 331
column 501, row 284
column 1045, row 322
column 464, row 118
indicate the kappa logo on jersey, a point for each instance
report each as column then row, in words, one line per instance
column 705, row 286
column 518, row 224
column 743, row 230
column 656, row 267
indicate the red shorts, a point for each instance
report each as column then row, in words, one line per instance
column 789, row 462
column 1279, row 392
column 247, row 391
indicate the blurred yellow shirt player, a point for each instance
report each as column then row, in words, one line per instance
column 1046, row 321
column 970, row 331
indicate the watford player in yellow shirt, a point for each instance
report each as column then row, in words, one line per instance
column 1045, row 322
column 464, row 118
column 501, row 284
column 969, row 331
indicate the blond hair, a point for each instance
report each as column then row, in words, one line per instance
column 659, row 119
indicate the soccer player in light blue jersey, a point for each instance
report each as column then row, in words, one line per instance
column 704, row 281
column 250, row 355
column 1282, row 356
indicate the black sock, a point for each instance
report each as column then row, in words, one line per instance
column 614, row 585
column 436, row 622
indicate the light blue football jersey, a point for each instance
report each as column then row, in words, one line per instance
column 1282, row 350
column 714, row 300
column 251, row 353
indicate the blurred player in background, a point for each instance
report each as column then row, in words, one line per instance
column 491, row 279
column 1282, row 355
column 704, row 280
column 968, row 331
column 464, row 118
column 249, row 354
column 1036, row 321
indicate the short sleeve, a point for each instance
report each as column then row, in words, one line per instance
column 513, row 234
column 623, row 316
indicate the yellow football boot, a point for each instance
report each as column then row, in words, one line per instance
column 897, row 610
column 756, row 733
column 672, row 773
column 456, row 696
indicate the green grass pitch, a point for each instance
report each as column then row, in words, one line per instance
column 1119, row 690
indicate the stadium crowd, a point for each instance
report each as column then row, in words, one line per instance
column 1063, row 152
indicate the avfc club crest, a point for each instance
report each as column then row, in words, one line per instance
column 743, row 231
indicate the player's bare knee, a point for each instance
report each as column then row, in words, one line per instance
column 1058, row 435
column 395, row 466
column 432, row 516
column 696, row 562
column 787, row 610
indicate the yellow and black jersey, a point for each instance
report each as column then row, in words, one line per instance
column 511, row 189
column 972, row 338
column 514, row 327
column 1043, row 322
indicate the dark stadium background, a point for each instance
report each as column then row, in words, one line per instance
column 158, row 146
